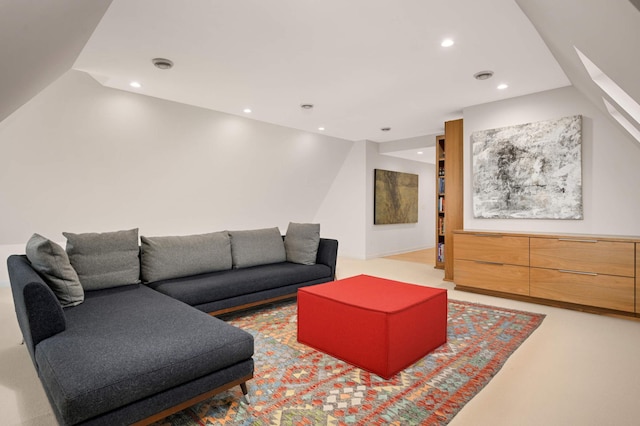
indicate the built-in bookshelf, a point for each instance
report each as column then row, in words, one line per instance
column 449, row 194
column 440, row 201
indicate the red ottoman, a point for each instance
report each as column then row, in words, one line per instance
column 379, row 325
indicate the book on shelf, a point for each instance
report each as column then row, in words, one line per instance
column 441, row 185
column 441, row 204
column 440, row 252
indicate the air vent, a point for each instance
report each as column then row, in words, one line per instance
column 483, row 75
column 162, row 63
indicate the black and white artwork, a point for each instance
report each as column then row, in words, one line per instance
column 529, row 171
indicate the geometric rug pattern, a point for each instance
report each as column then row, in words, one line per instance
column 294, row 384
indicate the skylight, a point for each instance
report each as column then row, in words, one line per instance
column 615, row 92
column 622, row 120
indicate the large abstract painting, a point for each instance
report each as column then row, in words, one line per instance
column 531, row 171
column 395, row 198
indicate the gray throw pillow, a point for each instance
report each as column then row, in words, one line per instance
column 257, row 247
column 105, row 260
column 163, row 258
column 52, row 263
column 301, row 243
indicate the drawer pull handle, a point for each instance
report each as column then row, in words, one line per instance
column 573, row 240
column 565, row 271
column 488, row 235
column 483, row 262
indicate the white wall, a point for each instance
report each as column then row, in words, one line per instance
column 83, row 158
column 344, row 207
column 351, row 198
column 610, row 164
column 384, row 240
column 80, row 157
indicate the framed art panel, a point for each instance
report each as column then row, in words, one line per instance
column 395, row 197
column 529, row 171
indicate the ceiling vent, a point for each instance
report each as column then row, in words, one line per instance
column 483, row 75
column 162, row 63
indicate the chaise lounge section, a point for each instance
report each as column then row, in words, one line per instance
column 125, row 353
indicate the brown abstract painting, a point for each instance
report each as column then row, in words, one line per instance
column 395, row 198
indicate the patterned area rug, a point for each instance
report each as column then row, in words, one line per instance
column 297, row 385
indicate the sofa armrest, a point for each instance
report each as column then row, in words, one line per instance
column 39, row 312
column 328, row 254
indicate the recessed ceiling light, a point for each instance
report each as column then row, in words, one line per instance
column 447, row 42
column 386, row 129
column 247, row 110
column 135, row 84
column 306, row 106
column 321, row 128
column 483, row 75
column 503, row 86
column 420, row 152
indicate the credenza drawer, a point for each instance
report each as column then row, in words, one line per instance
column 604, row 291
column 492, row 248
column 492, row 276
column 602, row 257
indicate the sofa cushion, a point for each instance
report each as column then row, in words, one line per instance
column 52, row 263
column 127, row 343
column 301, row 242
column 104, row 260
column 202, row 289
column 257, row 247
column 163, row 258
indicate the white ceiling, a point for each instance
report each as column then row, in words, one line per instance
column 608, row 33
column 423, row 155
column 364, row 64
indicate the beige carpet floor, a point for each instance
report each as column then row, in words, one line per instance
column 576, row 369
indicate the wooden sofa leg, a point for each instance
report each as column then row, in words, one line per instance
column 245, row 392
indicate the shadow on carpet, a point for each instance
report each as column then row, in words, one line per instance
column 297, row 385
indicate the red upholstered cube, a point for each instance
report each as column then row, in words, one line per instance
column 379, row 325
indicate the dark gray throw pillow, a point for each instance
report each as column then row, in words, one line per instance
column 105, row 260
column 163, row 258
column 301, row 243
column 257, row 247
column 52, row 263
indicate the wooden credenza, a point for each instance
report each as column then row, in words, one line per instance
column 492, row 262
column 586, row 272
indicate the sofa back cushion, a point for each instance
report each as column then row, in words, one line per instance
column 105, row 260
column 257, row 247
column 301, row 243
column 52, row 263
column 163, row 258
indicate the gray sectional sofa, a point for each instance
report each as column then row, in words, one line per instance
column 116, row 342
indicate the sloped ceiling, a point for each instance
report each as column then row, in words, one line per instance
column 607, row 32
column 40, row 41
